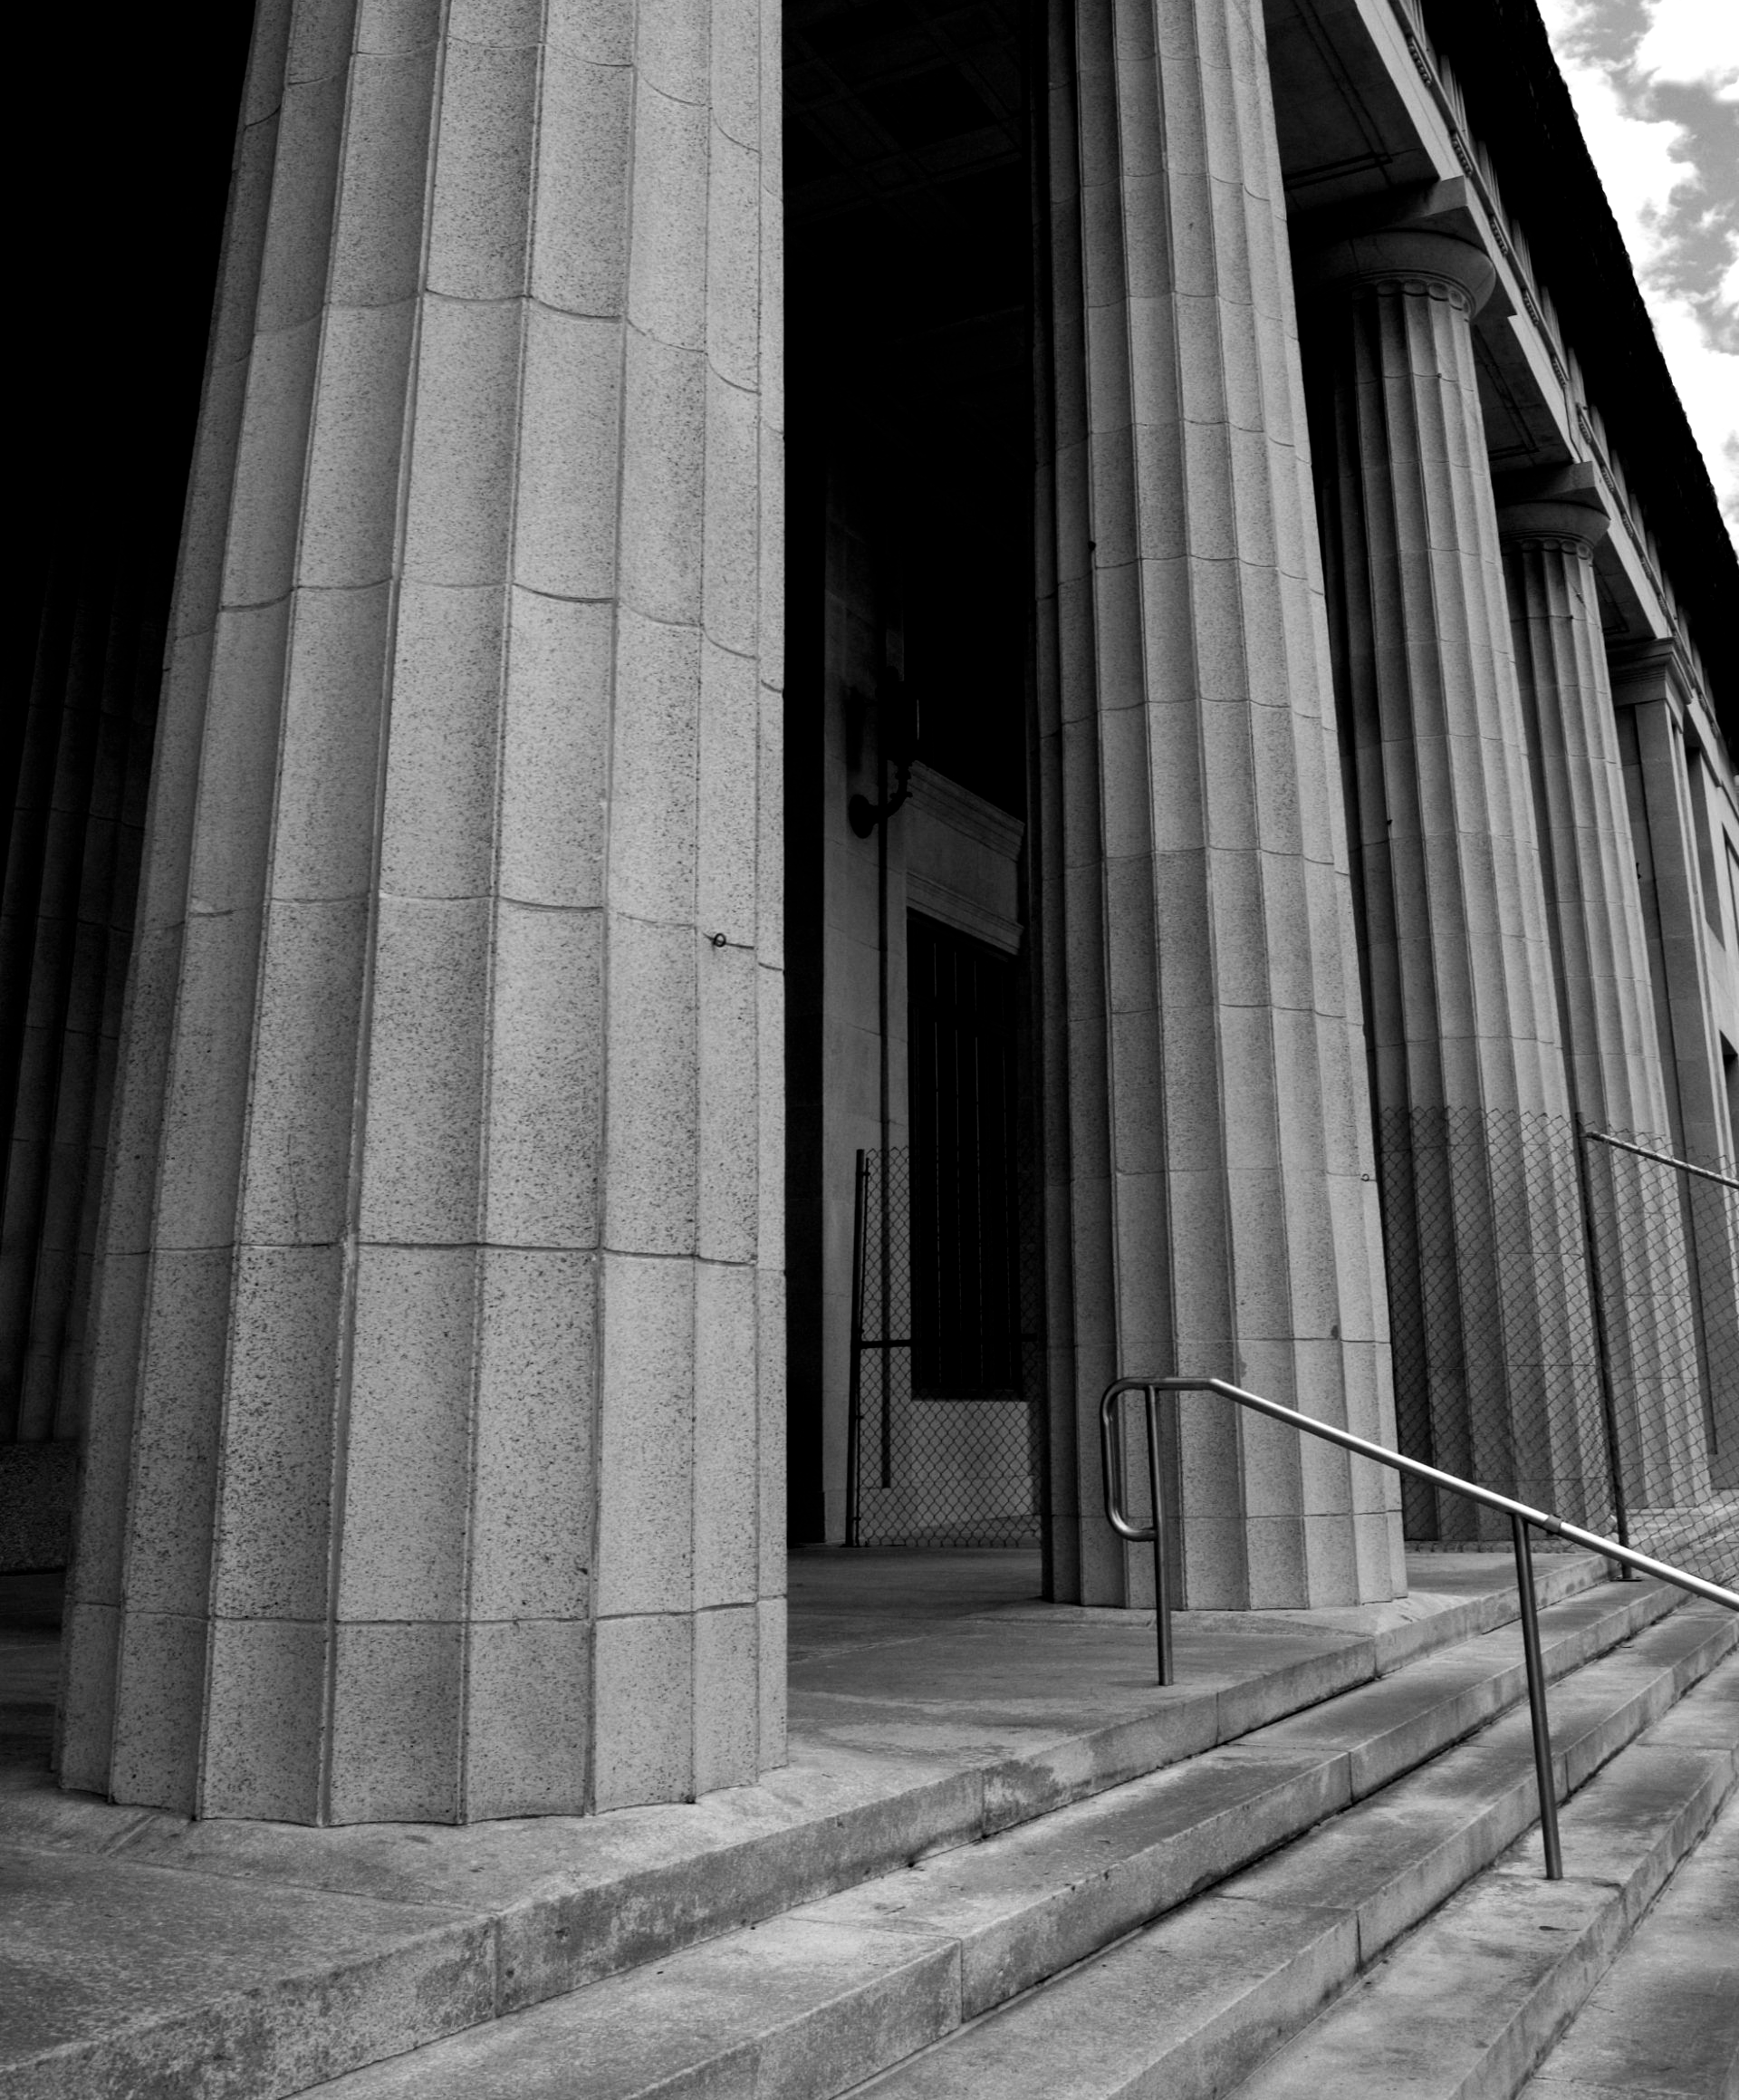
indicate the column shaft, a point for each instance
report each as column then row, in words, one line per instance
column 1495, row 1337
column 1611, row 1048
column 1616, row 1075
column 1211, row 1204
column 1665, row 835
column 435, row 1410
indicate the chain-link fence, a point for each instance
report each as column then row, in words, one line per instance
column 1564, row 1309
column 945, row 1444
column 1666, row 1236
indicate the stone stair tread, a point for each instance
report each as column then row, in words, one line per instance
column 1394, row 1857
column 1019, row 1911
column 120, row 1976
column 1482, row 1676
column 1045, row 1895
column 1467, row 2006
column 785, row 2008
column 1133, row 2023
column 997, row 1918
column 1664, row 2020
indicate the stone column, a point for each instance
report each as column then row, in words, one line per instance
column 1211, row 1202
column 1652, row 687
column 1649, row 691
column 1617, row 1081
column 1493, row 1321
column 435, row 1454
column 1613, row 1054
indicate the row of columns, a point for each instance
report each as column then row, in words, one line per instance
column 435, row 1466
column 1212, row 1190
column 1507, row 971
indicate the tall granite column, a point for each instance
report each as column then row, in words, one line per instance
column 1613, row 1052
column 1493, row 1321
column 1616, row 1080
column 1211, row 1202
column 434, row 1466
column 1652, row 687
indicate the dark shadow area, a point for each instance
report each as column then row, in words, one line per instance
column 909, row 287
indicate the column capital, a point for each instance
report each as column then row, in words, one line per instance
column 1559, row 507
column 1651, row 673
column 1418, row 259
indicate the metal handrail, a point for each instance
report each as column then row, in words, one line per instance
column 1666, row 1159
column 1520, row 1514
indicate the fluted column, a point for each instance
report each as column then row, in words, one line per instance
column 436, row 1405
column 1612, row 1051
column 1493, row 1325
column 1212, row 1207
column 1696, row 1252
column 1615, row 1074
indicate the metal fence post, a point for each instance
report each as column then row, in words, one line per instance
column 1602, row 1347
column 854, row 1409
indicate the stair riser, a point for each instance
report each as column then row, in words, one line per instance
column 1226, row 2050
column 1576, row 1761
column 999, row 1964
column 818, row 2057
column 1393, row 1750
column 556, row 1943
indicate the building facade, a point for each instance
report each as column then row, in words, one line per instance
column 1107, row 611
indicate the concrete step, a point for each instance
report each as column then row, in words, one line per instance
column 1466, row 2007
column 950, row 1733
column 1190, row 2006
column 814, row 2002
column 1664, row 2020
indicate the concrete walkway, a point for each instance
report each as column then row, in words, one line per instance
column 934, row 1700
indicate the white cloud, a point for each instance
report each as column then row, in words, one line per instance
column 1691, row 40
column 1657, row 174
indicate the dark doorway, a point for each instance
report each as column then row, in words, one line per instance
column 966, row 1199
column 910, row 273
column 947, row 1418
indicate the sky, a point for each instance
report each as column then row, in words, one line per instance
column 1656, row 84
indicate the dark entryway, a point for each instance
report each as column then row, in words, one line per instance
column 963, row 1025
column 912, row 262
column 946, row 1416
